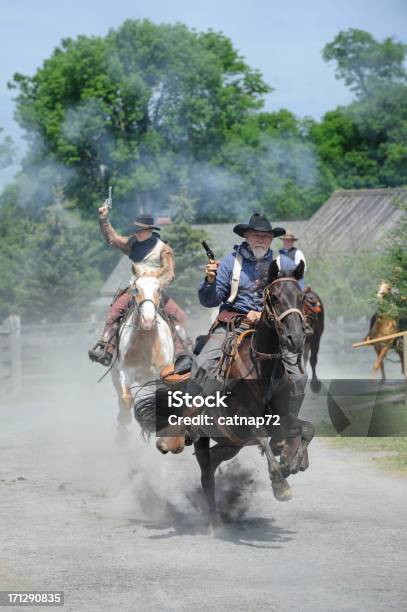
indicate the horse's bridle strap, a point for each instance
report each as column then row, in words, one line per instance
column 289, row 311
column 283, row 278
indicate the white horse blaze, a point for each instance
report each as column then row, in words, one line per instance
column 148, row 286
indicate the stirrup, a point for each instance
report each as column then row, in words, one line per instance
column 101, row 356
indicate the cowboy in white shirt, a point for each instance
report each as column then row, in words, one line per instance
column 289, row 256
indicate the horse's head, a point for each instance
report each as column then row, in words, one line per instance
column 384, row 289
column 283, row 306
column 147, row 293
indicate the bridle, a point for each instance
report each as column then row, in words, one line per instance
column 270, row 309
column 276, row 320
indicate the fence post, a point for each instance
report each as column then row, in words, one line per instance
column 13, row 323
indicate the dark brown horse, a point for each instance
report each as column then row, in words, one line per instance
column 258, row 386
column 315, row 313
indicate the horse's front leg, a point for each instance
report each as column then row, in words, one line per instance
column 293, row 446
column 379, row 363
column 315, row 383
column 126, row 399
column 203, row 456
column 281, row 489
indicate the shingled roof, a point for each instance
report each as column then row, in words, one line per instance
column 351, row 220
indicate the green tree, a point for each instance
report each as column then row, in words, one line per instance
column 186, row 244
column 7, row 151
column 61, row 275
column 182, row 204
column 14, row 229
column 363, row 62
column 396, row 268
column 276, row 165
column 346, row 284
column 363, row 145
column 142, row 102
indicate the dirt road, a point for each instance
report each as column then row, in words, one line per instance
column 121, row 529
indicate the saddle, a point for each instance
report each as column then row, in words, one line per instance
column 311, row 304
column 176, row 375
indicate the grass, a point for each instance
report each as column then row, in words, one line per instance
column 387, row 428
column 393, row 419
column 396, row 462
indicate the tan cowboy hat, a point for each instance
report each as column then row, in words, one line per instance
column 289, row 236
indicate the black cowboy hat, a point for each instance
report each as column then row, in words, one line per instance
column 142, row 222
column 258, row 223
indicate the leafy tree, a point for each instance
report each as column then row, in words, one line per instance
column 363, row 62
column 396, row 272
column 346, row 284
column 142, row 102
column 186, row 243
column 50, row 265
column 277, row 165
column 14, row 229
column 7, row 151
column 182, row 204
column 61, row 276
column 363, row 145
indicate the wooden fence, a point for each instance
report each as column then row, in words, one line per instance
column 29, row 353
column 10, row 353
column 340, row 334
column 35, row 353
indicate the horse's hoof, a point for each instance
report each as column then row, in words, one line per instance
column 282, row 491
column 174, row 445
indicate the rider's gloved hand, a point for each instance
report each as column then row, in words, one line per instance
column 253, row 316
column 210, row 271
column 103, row 211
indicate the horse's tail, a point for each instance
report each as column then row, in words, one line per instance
column 152, row 411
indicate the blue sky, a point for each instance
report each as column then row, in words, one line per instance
column 283, row 38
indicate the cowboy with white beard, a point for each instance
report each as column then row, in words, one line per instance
column 236, row 283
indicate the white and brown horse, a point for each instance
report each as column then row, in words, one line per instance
column 145, row 343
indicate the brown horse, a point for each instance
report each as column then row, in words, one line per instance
column 383, row 325
column 258, row 387
column 315, row 313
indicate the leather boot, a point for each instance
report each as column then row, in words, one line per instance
column 100, row 353
column 105, row 347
